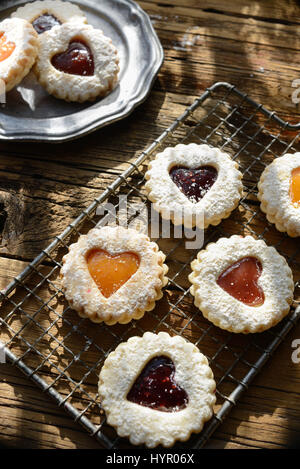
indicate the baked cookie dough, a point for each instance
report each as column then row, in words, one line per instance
column 279, row 193
column 194, row 185
column 46, row 14
column 18, row 50
column 77, row 62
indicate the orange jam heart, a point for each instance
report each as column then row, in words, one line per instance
column 295, row 186
column 156, row 387
column 76, row 60
column 110, row 272
column 194, row 183
column 6, row 48
column 240, row 281
column 45, row 22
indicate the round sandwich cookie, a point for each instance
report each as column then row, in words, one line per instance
column 279, row 193
column 77, row 62
column 113, row 274
column 18, row 51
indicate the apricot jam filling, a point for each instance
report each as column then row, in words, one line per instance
column 6, row 47
column 110, row 272
column 295, row 186
column 240, row 281
column 156, row 387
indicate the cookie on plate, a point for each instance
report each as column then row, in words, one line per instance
column 157, row 389
column 242, row 285
column 113, row 274
column 279, row 193
column 194, row 185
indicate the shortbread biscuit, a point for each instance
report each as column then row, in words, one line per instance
column 100, row 56
column 18, row 50
column 194, row 185
column 92, row 262
column 256, row 274
column 72, row 74
column 275, row 193
column 157, row 389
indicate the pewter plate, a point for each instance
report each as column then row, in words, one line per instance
column 31, row 114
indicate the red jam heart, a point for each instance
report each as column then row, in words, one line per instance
column 194, row 183
column 76, row 60
column 155, row 387
column 110, row 272
column 240, row 281
column 45, row 22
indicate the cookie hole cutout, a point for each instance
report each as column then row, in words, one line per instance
column 194, row 183
column 76, row 60
column 111, row 271
column 240, row 281
column 45, row 22
column 156, row 387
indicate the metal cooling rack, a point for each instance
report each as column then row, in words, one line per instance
column 63, row 354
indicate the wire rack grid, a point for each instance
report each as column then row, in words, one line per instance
column 63, row 354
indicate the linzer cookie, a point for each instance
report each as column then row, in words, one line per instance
column 157, row 389
column 113, row 274
column 279, row 193
column 46, row 14
column 194, row 185
column 77, row 62
column 241, row 284
column 18, row 50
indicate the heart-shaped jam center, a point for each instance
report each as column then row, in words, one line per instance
column 6, row 47
column 295, row 186
column 76, row 60
column 194, row 183
column 110, row 272
column 240, row 281
column 45, row 22
column 155, row 387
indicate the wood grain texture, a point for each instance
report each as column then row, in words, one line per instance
column 254, row 45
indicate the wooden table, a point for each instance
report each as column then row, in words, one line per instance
column 252, row 44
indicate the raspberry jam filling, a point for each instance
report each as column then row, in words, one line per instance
column 6, row 48
column 194, row 183
column 240, row 281
column 45, row 22
column 76, row 60
column 155, row 387
column 295, row 186
column 110, row 272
